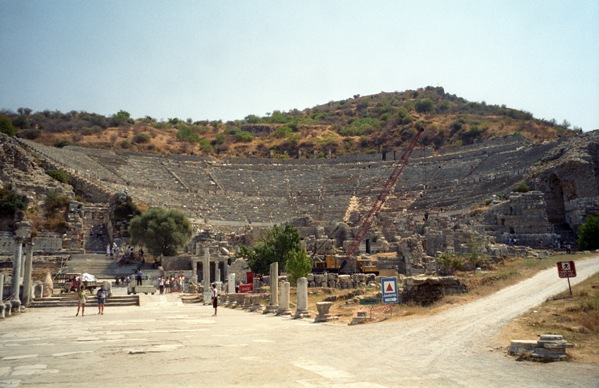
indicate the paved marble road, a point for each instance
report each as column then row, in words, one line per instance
column 167, row 343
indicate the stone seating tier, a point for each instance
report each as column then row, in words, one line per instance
column 268, row 190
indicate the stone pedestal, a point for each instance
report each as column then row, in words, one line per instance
column 247, row 302
column 284, row 294
column 38, row 290
column 323, row 312
column 256, row 285
column 302, row 299
column 361, row 317
column 273, row 306
column 256, row 303
column 231, row 284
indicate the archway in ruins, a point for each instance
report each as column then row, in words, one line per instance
column 554, row 199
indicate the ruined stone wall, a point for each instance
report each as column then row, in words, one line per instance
column 42, row 243
column 522, row 213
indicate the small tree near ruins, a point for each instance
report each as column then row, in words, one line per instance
column 278, row 246
column 298, row 265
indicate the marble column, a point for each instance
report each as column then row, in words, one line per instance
column 206, row 276
column 284, row 293
column 2, row 305
column 15, row 300
column 302, row 299
column 231, row 284
column 273, row 306
column 27, row 274
column 217, row 274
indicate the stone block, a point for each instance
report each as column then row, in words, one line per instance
column 518, row 346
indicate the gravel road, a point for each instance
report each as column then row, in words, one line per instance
column 167, row 343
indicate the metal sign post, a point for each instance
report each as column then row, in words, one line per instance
column 389, row 291
column 566, row 269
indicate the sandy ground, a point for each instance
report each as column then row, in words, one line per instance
column 167, row 343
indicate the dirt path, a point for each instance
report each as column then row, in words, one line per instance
column 166, row 343
column 454, row 347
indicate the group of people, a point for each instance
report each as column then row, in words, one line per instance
column 168, row 284
column 124, row 255
column 101, row 294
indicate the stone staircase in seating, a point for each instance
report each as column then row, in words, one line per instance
column 99, row 265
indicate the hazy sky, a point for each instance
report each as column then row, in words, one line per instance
column 228, row 59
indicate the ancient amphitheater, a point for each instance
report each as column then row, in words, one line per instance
column 443, row 185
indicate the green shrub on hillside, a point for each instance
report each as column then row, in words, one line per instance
column 61, row 144
column 60, row 176
column 447, row 263
column 522, row 187
column 588, row 233
column 141, row 138
column 185, row 133
column 56, row 202
column 6, row 126
column 244, row 136
column 10, row 202
column 30, row 133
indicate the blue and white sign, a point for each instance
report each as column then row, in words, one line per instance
column 389, row 287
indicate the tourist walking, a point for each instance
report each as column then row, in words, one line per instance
column 138, row 275
column 81, row 300
column 101, row 294
column 161, row 284
column 214, row 298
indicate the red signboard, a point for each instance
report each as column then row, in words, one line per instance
column 244, row 288
column 566, row 269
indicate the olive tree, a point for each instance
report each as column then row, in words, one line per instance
column 161, row 231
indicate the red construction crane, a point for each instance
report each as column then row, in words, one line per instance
column 380, row 200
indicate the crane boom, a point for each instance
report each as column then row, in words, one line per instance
column 380, row 200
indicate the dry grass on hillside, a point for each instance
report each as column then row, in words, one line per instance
column 313, row 139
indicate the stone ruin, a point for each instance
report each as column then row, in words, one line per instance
column 443, row 201
column 428, row 290
column 549, row 347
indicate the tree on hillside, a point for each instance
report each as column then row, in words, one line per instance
column 278, row 246
column 161, row 231
column 121, row 118
column 424, row 106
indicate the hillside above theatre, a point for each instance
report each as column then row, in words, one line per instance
column 357, row 125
